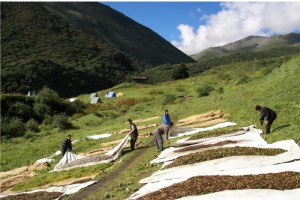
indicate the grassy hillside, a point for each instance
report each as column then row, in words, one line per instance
column 143, row 45
column 277, row 43
column 277, row 88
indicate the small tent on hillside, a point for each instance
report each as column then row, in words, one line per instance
column 120, row 94
column 73, row 99
column 31, row 93
column 93, row 95
column 110, row 95
column 95, row 100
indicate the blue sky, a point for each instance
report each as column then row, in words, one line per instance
column 195, row 26
column 164, row 17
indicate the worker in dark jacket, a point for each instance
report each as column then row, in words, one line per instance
column 133, row 134
column 159, row 131
column 66, row 145
column 166, row 118
column 267, row 113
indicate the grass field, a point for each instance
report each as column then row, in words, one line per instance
column 278, row 89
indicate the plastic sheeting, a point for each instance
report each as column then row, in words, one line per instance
column 257, row 194
column 70, row 160
column 197, row 130
column 97, row 137
column 68, row 157
column 67, row 190
column 44, row 160
column 235, row 165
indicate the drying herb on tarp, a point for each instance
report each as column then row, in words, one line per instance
column 212, row 133
column 223, row 152
column 202, row 146
column 36, row 195
column 209, row 184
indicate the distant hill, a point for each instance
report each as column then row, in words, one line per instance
column 41, row 46
column 143, row 45
column 252, row 44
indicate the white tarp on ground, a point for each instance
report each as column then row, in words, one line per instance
column 45, row 160
column 235, row 165
column 250, row 138
column 197, row 130
column 112, row 155
column 68, row 157
column 66, row 190
column 257, row 194
column 97, row 137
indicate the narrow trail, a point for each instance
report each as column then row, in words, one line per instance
column 111, row 176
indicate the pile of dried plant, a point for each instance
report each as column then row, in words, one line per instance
column 36, row 195
column 213, row 133
column 209, row 184
column 202, row 146
column 221, row 153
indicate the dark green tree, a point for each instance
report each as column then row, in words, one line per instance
column 180, row 72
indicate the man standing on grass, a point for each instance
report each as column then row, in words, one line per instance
column 133, row 134
column 159, row 131
column 269, row 114
column 66, row 145
column 166, row 118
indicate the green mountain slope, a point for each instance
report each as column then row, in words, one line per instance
column 139, row 42
column 289, row 42
column 39, row 49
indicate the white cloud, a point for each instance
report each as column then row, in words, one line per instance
column 238, row 20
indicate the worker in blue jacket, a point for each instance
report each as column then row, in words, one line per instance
column 166, row 118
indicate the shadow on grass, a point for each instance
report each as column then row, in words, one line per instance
column 278, row 128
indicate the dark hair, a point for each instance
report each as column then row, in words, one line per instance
column 171, row 124
column 129, row 120
column 166, row 111
column 69, row 135
column 257, row 107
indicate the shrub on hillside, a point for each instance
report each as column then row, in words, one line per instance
column 61, row 121
column 180, row 72
column 244, row 79
column 204, row 90
column 20, row 110
column 48, row 120
column 169, row 99
column 13, row 128
column 220, row 90
column 47, row 95
column 41, row 110
column 32, row 126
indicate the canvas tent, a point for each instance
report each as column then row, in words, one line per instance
column 95, row 100
column 73, row 99
column 120, row 94
column 110, row 95
column 31, row 93
column 93, row 95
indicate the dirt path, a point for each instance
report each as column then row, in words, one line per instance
column 111, row 176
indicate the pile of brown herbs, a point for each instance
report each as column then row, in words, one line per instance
column 209, row 184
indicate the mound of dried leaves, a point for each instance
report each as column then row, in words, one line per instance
column 210, row 184
column 221, row 153
column 36, row 195
column 212, row 133
column 202, row 146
